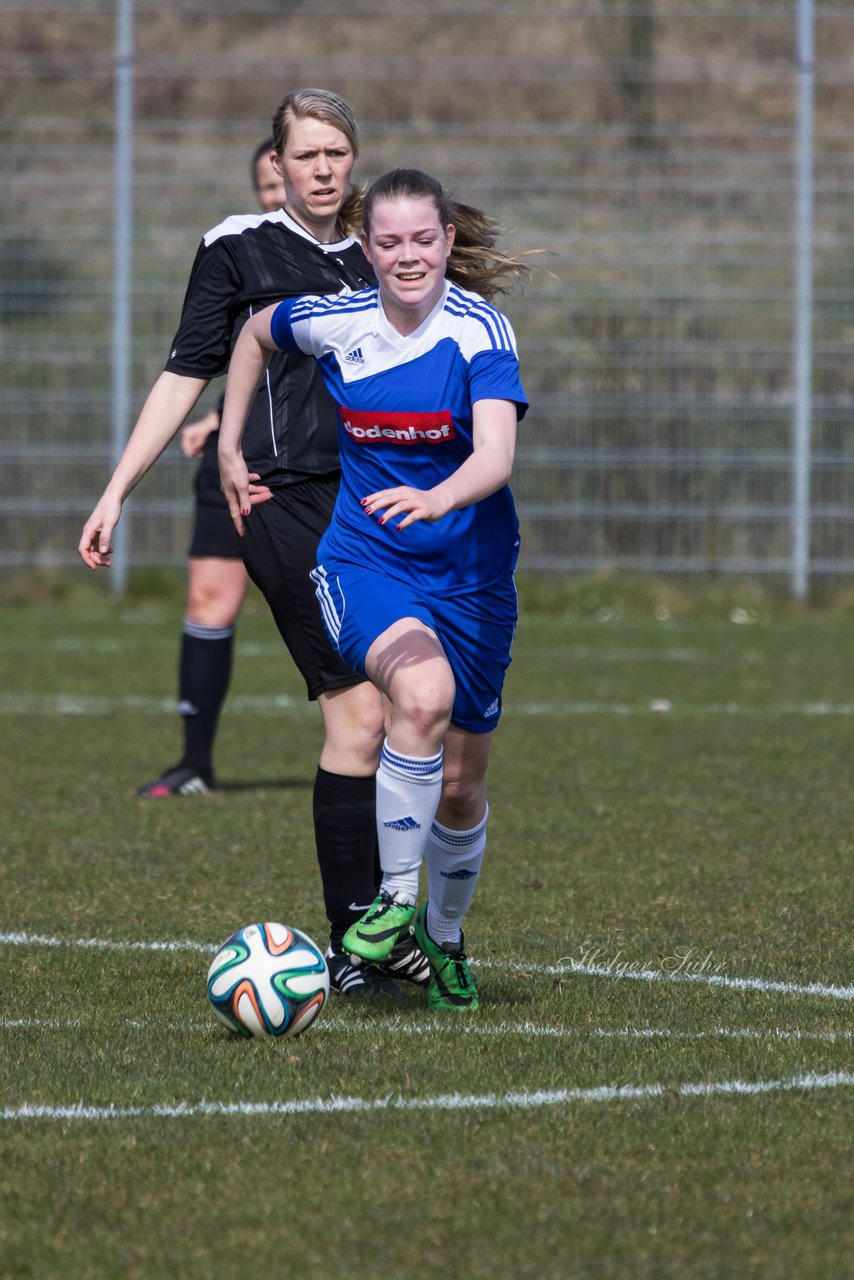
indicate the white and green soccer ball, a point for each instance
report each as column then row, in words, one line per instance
column 268, row 980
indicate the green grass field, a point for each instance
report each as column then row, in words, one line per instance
column 659, row 1080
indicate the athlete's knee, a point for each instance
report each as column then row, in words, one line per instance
column 367, row 735
column 354, row 726
column 423, row 704
column 215, row 596
column 463, row 796
column 213, row 611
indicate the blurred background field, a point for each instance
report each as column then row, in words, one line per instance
column 648, row 145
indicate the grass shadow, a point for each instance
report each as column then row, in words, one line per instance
column 265, row 784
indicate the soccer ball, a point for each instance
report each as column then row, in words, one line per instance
column 268, row 980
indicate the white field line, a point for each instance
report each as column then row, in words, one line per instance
column 105, row 944
column 72, row 704
column 96, row 704
column 659, row 975
column 537, row 1030
column 80, row 644
column 395, row 1026
column 259, row 649
column 563, row 967
column 522, row 1099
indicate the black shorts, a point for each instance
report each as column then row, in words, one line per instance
column 214, row 533
column 280, row 551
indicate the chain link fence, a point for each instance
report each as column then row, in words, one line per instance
column 648, row 146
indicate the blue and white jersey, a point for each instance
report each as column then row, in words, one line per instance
column 405, row 418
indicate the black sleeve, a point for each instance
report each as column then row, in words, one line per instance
column 202, row 345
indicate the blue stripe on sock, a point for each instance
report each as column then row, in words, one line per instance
column 410, row 766
column 459, row 839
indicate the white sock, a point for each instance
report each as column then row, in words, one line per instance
column 454, row 860
column 408, row 792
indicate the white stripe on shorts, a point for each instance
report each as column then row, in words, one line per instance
column 324, row 596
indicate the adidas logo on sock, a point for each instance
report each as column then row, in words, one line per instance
column 463, row 874
column 403, row 824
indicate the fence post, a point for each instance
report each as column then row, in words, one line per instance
column 802, row 353
column 122, row 285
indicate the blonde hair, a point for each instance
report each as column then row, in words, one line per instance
column 474, row 262
column 322, row 104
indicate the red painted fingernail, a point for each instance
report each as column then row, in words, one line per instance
column 245, row 512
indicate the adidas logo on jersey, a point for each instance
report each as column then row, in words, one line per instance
column 355, row 356
column 403, row 824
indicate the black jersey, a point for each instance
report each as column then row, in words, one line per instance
column 242, row 265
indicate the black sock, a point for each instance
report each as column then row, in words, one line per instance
column 204, row 673
column 345, row 829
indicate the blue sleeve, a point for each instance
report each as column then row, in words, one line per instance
column 494, row 375
column 282, row 329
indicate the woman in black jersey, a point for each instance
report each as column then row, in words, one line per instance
column 216, row 577
column 290, row 446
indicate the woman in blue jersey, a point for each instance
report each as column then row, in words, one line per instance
column 242, row 265
column 415, row 573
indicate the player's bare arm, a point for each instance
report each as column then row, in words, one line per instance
column 171, row 398
column 251, row 356
column 487, row 469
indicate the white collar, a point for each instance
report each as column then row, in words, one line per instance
column 387, row 330
column 336, row 246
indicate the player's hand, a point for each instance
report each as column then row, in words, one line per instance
column 193, row 439
column 258, row 492
column 234, row 482
column 412, row 504
column 194, row 435
column 94, row 545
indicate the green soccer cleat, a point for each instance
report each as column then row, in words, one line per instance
column 373, row 936
column 451, row 985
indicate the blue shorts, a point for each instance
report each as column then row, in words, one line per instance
column 475, row 629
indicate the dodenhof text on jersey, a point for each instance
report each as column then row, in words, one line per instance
column 395, row 427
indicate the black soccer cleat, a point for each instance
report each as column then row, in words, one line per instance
column 180, row 780
column 407, row 962
column 364, row 979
